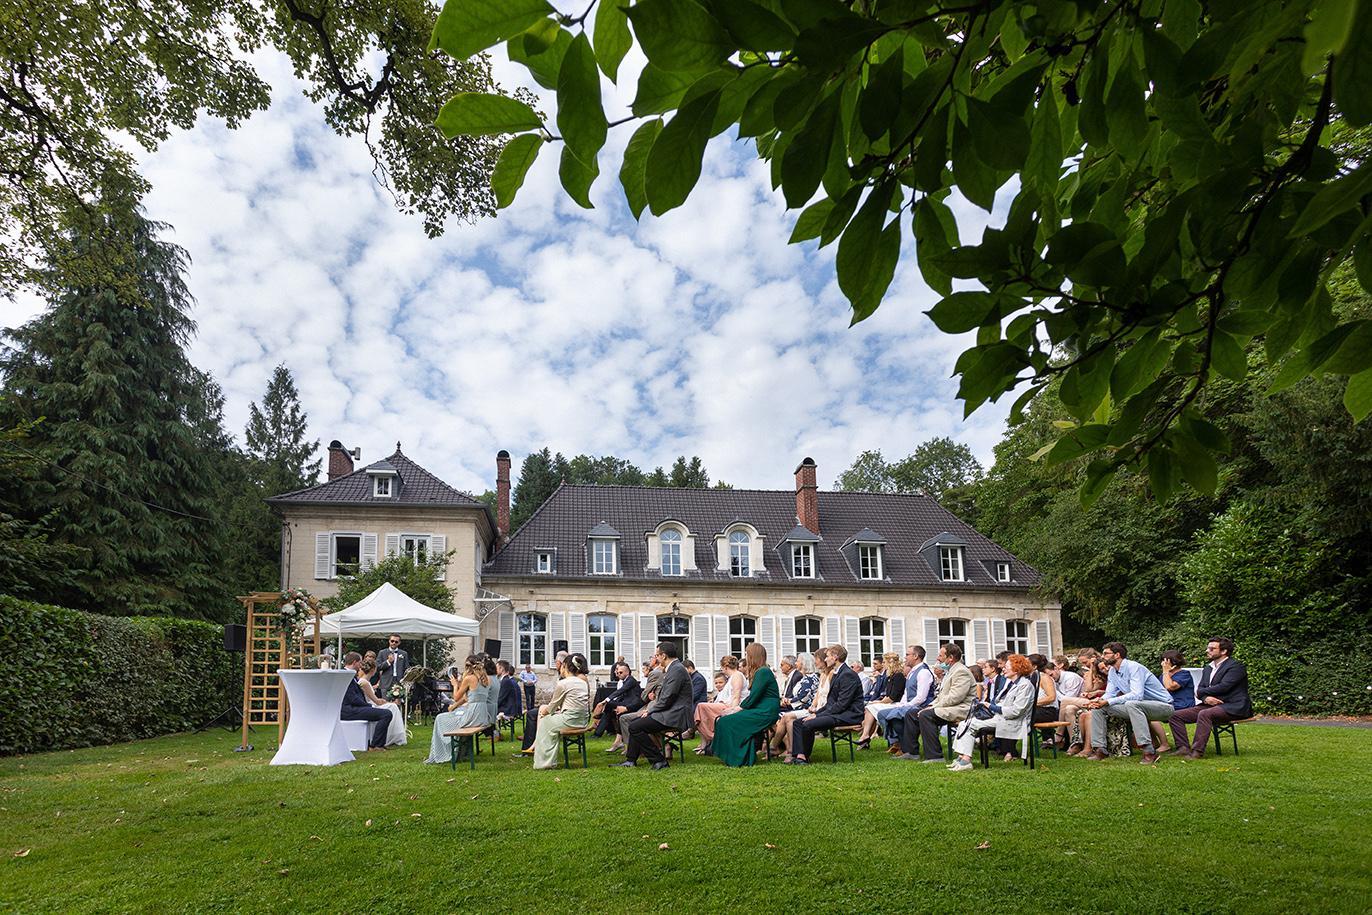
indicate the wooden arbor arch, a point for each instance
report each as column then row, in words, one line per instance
column 264, row 701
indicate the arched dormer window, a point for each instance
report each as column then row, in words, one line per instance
column 740, row 554
column 670, row 543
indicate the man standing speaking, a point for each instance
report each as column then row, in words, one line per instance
column 392, row 662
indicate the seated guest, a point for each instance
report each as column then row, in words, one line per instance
column 670, row 710
column 699, row 688
column 1010, row 713
column 736, row 734
column 651, row 682
column 951, row 706
column 1178, row 682
column 569, row 707
column 799, row 704
column 843, row 708
column 876, row 685
column 721, row 681
column 357, row 708
column 395, row 729
column 727, row 701
column 864, row 677
column 1069, row 686
column 989, row 670
column 1092, row 687
column 626, row 698
column 1132, row 692
column 1223, row 694
column 493, row 674
column 509, row 704
column 894, row 675
column 791, row 675
column 470, row 707
column 919, row 692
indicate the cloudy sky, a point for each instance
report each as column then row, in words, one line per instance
column 702, row 332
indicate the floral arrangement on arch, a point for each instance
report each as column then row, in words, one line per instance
column 295, row 610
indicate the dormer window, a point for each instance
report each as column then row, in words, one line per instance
column 670, row 542
column 544, row 563
column 381, row 487
column 384, row 479
column 950, row 563
column 803, row 560
column 740, row 554
column 603, row 557
column 869, row 561
column 1002, row 572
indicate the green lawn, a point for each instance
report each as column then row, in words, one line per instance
column 183, row 823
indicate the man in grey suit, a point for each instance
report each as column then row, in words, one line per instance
column 670, row 710
column 391, row 663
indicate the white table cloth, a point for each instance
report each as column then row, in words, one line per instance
column 313, row 736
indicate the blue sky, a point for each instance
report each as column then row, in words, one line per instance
column 702, row 332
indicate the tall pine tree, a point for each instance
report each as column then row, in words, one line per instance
column 276, row 437
column 123, row 434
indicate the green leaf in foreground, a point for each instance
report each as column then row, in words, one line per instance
column 512, row 166
column 611, row 36
column 577, row 177
column 631, row 173
column 674, row 161
column 1357, row 397
column 580, row 117
column 465, row 27
column 481, row 114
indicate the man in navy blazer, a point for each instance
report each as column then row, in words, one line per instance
column 627, row 696
column 510, row 703
column 845, row 706
column 1223, row 697
column 357, row 708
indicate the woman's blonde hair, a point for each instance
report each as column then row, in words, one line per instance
column 476, row 666
column 893, row 661
column 730, row 662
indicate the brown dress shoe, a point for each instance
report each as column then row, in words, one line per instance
column 1178, row 751
column 1195, row 754
column 1148, row 759
column 1097, row 755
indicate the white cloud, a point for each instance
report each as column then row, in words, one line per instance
column 699, row 333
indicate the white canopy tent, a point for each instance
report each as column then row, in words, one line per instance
column 389, row 611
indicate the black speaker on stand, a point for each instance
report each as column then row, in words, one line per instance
column 235, row 637
column 493, row 648
column 231, row 719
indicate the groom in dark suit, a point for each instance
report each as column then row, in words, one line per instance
column 1223, row 695
column 670, row 710
column 845, row 706
column 357, row 708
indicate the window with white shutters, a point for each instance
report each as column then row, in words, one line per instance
column 600, row 637
column 871, row 639
column 532, row 632
column 742, row 633
column 345, row 555
column 807, row 635
column 1017, row 636
column 955, row 631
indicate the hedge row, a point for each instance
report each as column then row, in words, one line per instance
column 78, row 679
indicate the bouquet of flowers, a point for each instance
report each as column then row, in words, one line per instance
column 294, row 609
column 396, row 693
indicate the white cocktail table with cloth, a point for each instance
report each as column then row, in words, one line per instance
column 313, row 735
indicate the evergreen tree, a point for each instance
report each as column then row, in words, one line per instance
column 689, row 475
column 276, row 436
column 122, row 431
column 538, row 478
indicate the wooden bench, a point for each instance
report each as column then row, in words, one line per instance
column 577, row 737
column 843, row 733
column 472, row 735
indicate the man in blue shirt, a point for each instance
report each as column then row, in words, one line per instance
column 1131, row 691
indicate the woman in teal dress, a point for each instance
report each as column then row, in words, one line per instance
column 734, row 733
column 470, row 708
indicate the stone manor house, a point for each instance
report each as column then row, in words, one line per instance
column 612, row 570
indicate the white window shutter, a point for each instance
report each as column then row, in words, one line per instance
column 557, row 631
column 767, row 635
column 895, row 635
column 322, row 566
column 508, row 648
column 832, row 631
column 981, row 641
column 930, row 637
column 647, row 638
column 788, row 635
column 851, row 639
column 721, row 628
column 392, row 545
column 624, row 642
column 576, row 626
column 702, row 649
column 1043, row 638
column 368, row 551
column 438, row 546
column 997, row 636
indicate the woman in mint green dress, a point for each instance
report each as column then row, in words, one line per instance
column 734, row 733
column 471, row 707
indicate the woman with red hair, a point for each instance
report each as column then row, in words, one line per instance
column 1009, row 716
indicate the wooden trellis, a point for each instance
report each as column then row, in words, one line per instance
column 264, row 701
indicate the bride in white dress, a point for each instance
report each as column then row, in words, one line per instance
column 395, row 734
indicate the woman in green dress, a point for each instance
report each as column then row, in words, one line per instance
column 734, row 733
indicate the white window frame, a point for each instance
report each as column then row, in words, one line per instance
column 377, row 482
column 428, row 543
column 950, row 564
column 869, row 561
column 740, row 554
column 946, row 633
column 333, row 554
column 611, row 547
column 537, row 652
column 675, row 543
column 802, row 568
column 871, row 639
column 543, row 564
column 601, row 645
column 808, row 643
column 739, row 636
column 1017, row 636
column 1003, row 572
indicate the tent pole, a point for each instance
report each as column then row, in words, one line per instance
column 426, row 652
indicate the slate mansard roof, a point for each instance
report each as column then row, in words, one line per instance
column 906, row 524
column 416, row 487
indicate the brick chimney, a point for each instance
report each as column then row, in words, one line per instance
column 340, row 460
column 502, row 497
column 807, row 496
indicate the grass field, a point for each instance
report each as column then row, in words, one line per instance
column 184, row 824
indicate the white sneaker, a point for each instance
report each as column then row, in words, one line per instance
column 961, row 766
